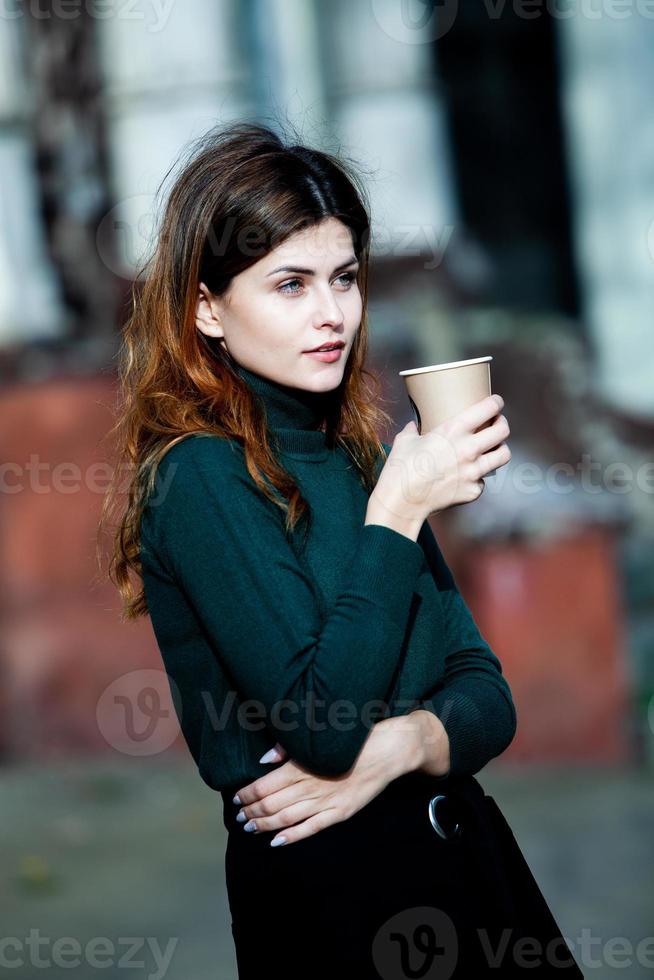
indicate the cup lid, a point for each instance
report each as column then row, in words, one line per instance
column 442, row 367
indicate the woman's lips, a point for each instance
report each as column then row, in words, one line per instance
column 326, row 355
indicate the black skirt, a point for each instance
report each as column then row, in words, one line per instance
column 401, row 889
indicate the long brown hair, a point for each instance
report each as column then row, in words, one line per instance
column 173, row 379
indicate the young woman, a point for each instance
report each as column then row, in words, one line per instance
column 329, row 679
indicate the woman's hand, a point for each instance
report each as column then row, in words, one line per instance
column 445, row 466
column 300, row 803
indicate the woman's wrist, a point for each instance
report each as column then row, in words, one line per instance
column 401, row 735
column 395, row 518
column 432, row 752
column 416, row 741
column 412, row 743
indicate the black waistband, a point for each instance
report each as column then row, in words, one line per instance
column 415, row 784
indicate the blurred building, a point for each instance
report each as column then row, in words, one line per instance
column 508, row 219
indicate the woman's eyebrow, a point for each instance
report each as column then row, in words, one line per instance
column 310, row 272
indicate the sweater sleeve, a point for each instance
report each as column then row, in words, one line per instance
column 474, row 702
column 311, row 672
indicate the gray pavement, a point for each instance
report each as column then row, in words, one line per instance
column 118, row 871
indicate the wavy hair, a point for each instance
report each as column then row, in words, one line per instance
column 173, row 380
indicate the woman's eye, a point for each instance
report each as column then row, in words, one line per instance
column 348, row 277
column 290, row 283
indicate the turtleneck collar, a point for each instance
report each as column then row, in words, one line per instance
column 293, row 414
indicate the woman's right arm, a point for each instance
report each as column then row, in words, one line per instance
column 319, row 681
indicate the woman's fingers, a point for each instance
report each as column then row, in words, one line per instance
column 492, row 435
column 471, row 418
column 305, row 829
column 261, row 816
column 270, row 800
column 276, row 754
column 273, row 781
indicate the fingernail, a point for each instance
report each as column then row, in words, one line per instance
column 250, row 825
column 269, row 756
column 240, row 816
column 277, row 841
column 237, row 800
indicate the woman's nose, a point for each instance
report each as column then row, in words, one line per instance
column 328, row 309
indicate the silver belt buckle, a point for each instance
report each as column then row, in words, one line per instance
column 445, row 834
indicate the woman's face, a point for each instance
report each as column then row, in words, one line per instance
column 299, row 296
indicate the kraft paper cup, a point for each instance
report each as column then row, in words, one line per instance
column 439, row 391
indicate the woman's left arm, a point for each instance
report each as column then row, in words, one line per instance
column 473, row 700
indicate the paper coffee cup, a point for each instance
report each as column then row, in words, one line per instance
column 439, row 391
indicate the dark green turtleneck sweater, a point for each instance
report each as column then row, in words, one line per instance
column 307, row 642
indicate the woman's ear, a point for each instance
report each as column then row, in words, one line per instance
column 207, row 316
